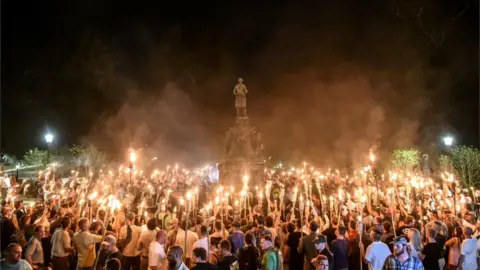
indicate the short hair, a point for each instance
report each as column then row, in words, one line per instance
column 267, row 238
column 352, row 224
column 322, row 257
column 269, row 221
column 409, row 220
column 290, row 227
column 198, row 220
column 65, row 222
column 151, row 224
column 200, row 252
column 82, row 222
column 225, row 244
column 17, row 203
column 249, row 238
column 176, row 249
column 387, row 226
column 218, row 224
column 12, row 246
column 298, row 223
column 342, row 230
column 131, row 216
column 185, row 224
column 113, row 264
column 379, row 219
column 203, row 230
column 467, row 230
column 261, row 220
column 313, row 226
column 431, row 233
column 377, row 234
column 37, row 228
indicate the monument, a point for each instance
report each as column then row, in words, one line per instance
column 243, row 150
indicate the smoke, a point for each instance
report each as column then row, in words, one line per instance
column 325, row 95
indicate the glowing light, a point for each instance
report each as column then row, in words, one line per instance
column 448, row 140
column 133, row 156
column 49, row 138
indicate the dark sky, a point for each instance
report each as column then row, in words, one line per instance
column 327, row 79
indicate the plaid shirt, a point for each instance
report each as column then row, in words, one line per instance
column 411, row 263
column 261, row 232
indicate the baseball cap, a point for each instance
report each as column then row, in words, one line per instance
column 399, row 240
column 109, row 240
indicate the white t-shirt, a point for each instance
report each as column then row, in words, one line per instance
column 376, row 254
column 203, row 243
column 469, row 250
column 131, row 249
column 35, row 250
column 157, row 256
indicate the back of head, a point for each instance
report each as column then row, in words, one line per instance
column 269, row 221
column 113, row 264
column 342, row 230
column 65, row 222
column 152, row 224
column 387, row 226
column 218, row 225
column 313, row 226
column 290, row 227
column 176, row 250
column 201, row 253
column 261, row 220
column 204, row 230
column 225, row 245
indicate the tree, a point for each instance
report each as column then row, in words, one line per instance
column 36, row 157
column 466, row 165
column 405, row 159
column 89, row 157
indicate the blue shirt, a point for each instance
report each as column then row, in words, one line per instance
column 237, row 241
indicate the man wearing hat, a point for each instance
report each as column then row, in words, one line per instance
column 401, row 259
column 108, row 251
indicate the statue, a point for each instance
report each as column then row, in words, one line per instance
column 240, row 91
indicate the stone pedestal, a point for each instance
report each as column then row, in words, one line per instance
column 243, row 155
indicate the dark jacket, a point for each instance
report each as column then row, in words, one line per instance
column 307, row 248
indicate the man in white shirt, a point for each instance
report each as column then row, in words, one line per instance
column 61, row 246
column 174, row 257
column 84, row 242
column 13, row 259
column 376, row 253
column 157, row 258
column 203, row 242
column 146, row 237
column 131, row 256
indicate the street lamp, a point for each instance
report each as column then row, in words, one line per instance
column 49, row 140
column 448, row 141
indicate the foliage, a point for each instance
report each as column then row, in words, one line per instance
column 445, row 162
column 405, row 159
column 36, row 157
column 466, row 163
column 89, row 157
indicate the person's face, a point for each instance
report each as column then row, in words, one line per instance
column 320, row 246
column 85, row 226
column 15, row 254
column 107, row 248
column 264, row 244
column 323, row 264
column 41, row 232
column 398, row 249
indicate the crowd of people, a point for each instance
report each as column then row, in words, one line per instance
column 61, row 234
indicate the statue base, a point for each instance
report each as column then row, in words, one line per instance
column 232, row 172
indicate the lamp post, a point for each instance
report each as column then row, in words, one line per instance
column 49, row 140
column 448, row 141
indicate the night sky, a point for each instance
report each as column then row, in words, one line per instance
column 326, row 79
